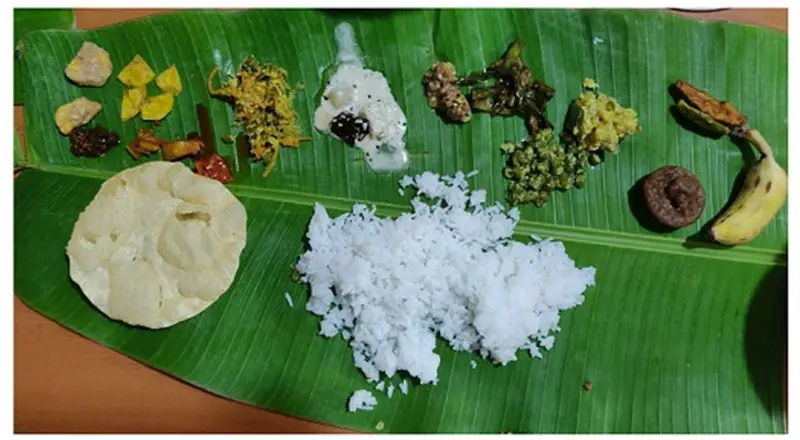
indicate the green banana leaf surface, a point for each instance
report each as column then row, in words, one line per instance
column 19, row 155
column 677, row 336
column 28, row 20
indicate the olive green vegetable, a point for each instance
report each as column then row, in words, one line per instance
column 539, row 167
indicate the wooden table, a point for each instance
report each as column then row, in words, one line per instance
column 65, row 383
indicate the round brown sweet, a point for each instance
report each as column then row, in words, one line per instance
column 674, row 196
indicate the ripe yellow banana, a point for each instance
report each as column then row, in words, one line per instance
column 762, row 196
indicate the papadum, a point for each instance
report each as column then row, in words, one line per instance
column 157, row 245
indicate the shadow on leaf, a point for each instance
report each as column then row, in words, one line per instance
column 765, row 338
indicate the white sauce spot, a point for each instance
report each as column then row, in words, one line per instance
column 364, row 93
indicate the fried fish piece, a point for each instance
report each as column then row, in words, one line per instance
column 720, row 111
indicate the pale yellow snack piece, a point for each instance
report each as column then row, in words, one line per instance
column 169, row 81
column 157, row 107
column 137, row 73
column 90, row 67
column 157, row 245
column 76, row 113
column 132, row 101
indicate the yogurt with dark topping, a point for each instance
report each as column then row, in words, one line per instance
column 357, row 107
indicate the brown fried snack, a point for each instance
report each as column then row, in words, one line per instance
column 720, row 111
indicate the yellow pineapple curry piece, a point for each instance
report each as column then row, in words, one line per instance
column 132, row 100
column 169, row 81
column 157, row 107
column 136, row 75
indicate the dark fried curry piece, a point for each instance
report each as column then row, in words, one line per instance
column 147, row 143
column 92, row 142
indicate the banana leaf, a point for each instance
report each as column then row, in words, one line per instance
column 27, row 20
column 676, row 337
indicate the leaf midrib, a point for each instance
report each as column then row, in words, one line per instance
column 608, row 238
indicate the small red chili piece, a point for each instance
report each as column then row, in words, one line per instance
column 214, row 167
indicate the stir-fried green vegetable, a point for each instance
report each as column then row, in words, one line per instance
column 539, row 165
column 514, row 93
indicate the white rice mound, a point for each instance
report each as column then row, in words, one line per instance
column 449, row 268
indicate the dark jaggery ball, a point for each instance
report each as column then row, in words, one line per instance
column 674, row 196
